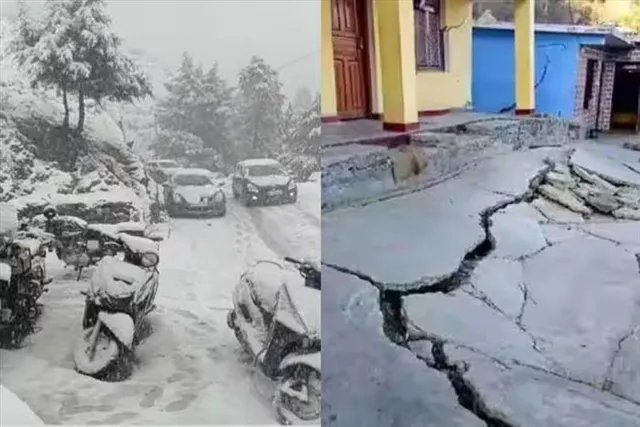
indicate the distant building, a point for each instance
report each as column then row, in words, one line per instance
column 589, row 74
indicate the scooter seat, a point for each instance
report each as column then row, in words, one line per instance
column 117, row 278
column 265, row 280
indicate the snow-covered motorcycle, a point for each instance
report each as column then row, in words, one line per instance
column 121, row 293
column 80, row 244
column 276, row 318
column 23, row 280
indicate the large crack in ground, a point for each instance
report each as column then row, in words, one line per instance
column 399, row 329
column 395, row 321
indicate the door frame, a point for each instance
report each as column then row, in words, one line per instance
column 365, row 20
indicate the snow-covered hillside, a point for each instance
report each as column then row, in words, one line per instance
column 38, row 162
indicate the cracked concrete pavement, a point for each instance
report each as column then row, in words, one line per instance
column 483, row 301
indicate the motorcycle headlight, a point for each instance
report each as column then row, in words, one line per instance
column 149, row 259
column 252, row 188
column 291, row 185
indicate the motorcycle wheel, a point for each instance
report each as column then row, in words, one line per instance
column 109, row 361
column 298, row 396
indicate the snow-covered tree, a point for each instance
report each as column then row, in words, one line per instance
column 45, row 52
column 75, row 51
column 186, row 148
column 110, row 74
column 198, row 102
column 259, row 106
column 301, row 147
column 302, row 100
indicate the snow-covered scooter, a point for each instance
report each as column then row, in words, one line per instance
column 120, row 295
column 276, row 318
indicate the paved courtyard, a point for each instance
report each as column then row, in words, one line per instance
column 506, row 296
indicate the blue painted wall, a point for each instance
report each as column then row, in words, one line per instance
column 493, row 78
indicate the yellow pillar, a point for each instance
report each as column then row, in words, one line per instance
column 328, row 102
column 524, row 27
column 397, row 64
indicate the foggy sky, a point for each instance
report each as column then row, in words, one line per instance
column 226, row 31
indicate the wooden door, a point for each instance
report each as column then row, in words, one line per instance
column 349, row 57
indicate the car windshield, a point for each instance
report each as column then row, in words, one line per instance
column 194, row 180
column 264, row 170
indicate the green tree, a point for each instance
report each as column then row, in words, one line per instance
column 632, row 19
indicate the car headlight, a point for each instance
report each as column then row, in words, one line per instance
column 291, row 185
column 252, row 188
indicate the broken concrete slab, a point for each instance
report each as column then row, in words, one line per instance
column 629, row 196
column 593, row 179
column 556, row 213
column 490, row 278
column 601, row 200
column 419, row 239
column 517, row 232
column 564, row 198
column 367, row 380
column 624, row 377
column 627, row 213
column 557, row 233
column 522, row 396
column 585, row 291
column 560, row 180
column 465, row 320
column 624, row 233
column 602, row 164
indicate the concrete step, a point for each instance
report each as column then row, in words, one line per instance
column 357, row 173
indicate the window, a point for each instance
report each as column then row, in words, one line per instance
column 592, row 64
column 264, row 170
column 429, row 35
column 191, row 180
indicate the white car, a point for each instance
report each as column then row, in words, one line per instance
column 194, row 191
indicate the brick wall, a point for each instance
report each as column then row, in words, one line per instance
column 589, row 118
column 604, row 121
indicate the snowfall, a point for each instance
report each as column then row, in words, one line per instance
column 507, row 295
column 190, row 369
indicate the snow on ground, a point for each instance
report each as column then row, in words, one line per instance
column 543, row 328
column 300, row 237
column 191, row 369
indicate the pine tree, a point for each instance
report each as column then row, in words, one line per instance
column 47, row 52
column 76, row 52
column 198, row 102
column 111, row 74
column 259, row 109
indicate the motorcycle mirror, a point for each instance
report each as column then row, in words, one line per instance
column 149, row 259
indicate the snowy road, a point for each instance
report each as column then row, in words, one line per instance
column 191, row 368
